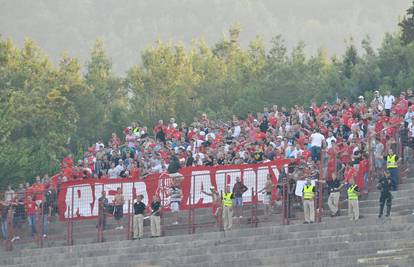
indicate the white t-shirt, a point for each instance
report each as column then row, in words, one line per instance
column 317, row 139
column 388, row 100
column 329, row 140
column 237, row 131
column 411, row 129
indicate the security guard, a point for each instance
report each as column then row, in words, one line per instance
column 308, row 201
column 353, row 204
column 392, row 167
column 386, row 197
column 227, row 209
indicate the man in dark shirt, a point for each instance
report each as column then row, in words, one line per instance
column 155, row 217
column 238, row 190
column 334, row 187
column 139, row 210
column 103, row 206
column 384, row 186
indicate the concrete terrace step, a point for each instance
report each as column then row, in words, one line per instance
column 305, row 235
column 328, row 224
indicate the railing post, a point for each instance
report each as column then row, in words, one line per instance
column 285, row 217
column 129, row 221
column 193, row 207
column 320, row 202
column 41, row 224
column 189, row 214
column 220, row 214
column 9, row 230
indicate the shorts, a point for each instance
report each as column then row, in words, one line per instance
column 118, row 212
column 238, row 201
column 216, row 208
column 379, row 163
column 267, row 199
column 175, row 206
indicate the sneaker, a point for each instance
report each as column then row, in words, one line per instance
column 175, row 223
column 17, row 237
column 13, row 239
column 240, row 217
column 305, row 222
column 379, row 216
column 45, row 235
column 121, row 227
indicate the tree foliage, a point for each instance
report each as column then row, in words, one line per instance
column 49, row 111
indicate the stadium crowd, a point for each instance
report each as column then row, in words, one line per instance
column 341, row 128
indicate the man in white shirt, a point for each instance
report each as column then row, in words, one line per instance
column 330, row 139
column 409, row 115
column 317, row 140
column 388, row 101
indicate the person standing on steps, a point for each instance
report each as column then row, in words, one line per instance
column 353, row 203
column 267, row 190
column 238, row 190
column 139, row 210
column 216, row 207
column 335, row 187
column 119, row 208
column 308, row 200
column 384, row 186
column 227, row 209
column 155, row 217
column 392, row 166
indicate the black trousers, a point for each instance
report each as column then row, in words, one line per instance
column 385, row 198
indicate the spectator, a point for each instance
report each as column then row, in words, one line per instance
column 175, row 199
column 139, row 210
column 113, row 172
column 267, row 190
column 388, row 102
column 216, row 203
column 119, row 208
column 238, row 190
column 155, row 217
column 9, row 194
column 317, row 140
column 31, row 209
column 103, row 207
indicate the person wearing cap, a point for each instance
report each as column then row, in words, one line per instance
column 216, row 207
column 227, row 201
column 353, row 203
column 308, row 199
column 384, row 186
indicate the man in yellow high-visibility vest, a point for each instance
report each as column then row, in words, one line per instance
column 392, row 166
column 353, row 203
column 308, row 197
column 227, row 208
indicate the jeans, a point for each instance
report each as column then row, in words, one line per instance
column 394, row 178
column 32, row 223
column 3, row 228
column 316, row 153
column 45, row 223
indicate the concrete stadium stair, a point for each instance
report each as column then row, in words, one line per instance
column 333, row 242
